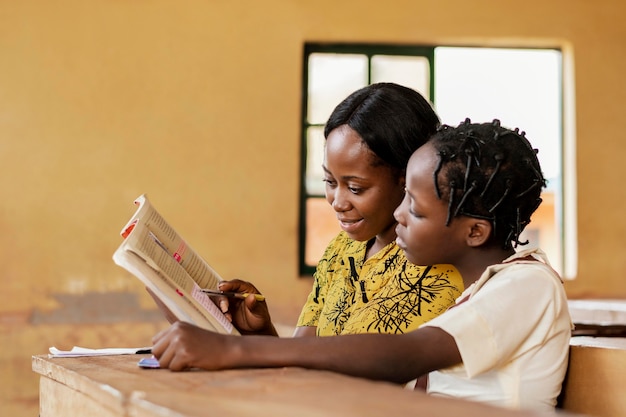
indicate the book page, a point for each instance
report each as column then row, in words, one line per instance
column 199, row 270
column 144, row 256
column 160, row 286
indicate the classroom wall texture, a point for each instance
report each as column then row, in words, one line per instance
column 197, row 104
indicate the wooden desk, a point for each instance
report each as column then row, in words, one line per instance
column 598, row 317
column 114, row 386
column 595, row 311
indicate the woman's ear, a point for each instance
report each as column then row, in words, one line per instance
column 479, row 231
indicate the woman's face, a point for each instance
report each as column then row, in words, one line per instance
column 363, row 193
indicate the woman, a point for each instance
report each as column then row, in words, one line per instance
column 363, row 283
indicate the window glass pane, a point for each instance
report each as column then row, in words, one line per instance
column 322, row 226
column 315, row 157
column 332, row 77
column 521, row 88
column 410, row 71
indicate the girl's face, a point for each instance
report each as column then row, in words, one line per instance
column 422, row 231
column 363, row 195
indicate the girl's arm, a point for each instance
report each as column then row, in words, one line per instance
column 394, row 358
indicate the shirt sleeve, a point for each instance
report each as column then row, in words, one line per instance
column 506, row 317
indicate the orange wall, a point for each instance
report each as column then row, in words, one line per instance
column 197, row 104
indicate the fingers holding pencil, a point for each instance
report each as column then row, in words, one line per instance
column 241, row 295
column 245, row 306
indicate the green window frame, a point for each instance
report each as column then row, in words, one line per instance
column 312, row 197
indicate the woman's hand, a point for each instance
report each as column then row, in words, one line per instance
column 248, row 315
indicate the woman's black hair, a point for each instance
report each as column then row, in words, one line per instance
column 392, row 120
column 489, row 172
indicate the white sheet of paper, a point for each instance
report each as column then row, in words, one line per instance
column 81, row 351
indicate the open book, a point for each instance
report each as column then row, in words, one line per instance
column 154, row 252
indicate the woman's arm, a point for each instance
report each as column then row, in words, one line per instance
column 167, row 313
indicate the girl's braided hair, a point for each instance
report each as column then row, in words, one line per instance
column 489, row 172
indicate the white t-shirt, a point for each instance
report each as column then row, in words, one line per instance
column 513, row 335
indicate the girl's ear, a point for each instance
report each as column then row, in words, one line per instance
column 479, row 231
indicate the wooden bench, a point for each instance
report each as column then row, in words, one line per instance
column 595, row 383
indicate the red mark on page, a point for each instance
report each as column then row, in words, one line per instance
column 180, row 252
column 129, row 229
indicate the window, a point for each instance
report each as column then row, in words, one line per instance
column 521, row 87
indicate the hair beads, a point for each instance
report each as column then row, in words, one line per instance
column 479, row 156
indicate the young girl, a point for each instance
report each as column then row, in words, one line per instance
column 363, row 283
column 470, row 192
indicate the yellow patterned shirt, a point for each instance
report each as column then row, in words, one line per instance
column 384, row 294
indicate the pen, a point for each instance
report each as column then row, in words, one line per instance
column 258, row 297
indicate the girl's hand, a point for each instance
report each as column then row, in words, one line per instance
column 184, row 346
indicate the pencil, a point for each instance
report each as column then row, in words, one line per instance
column 258, row 297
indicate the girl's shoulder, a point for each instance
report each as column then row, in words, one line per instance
column 529, row 264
